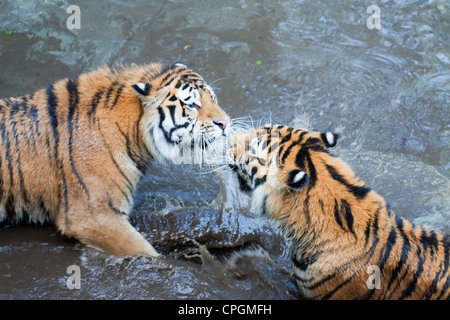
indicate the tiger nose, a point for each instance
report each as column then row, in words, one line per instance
column 222, row 123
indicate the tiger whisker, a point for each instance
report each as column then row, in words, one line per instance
column 220, row 79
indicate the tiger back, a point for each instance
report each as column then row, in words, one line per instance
column 347, row 242
column 74, row 152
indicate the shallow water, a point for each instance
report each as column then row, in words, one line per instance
column 311, row 64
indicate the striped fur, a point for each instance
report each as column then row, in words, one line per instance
column 343, row 233
column 74, row 152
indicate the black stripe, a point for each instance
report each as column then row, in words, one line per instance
column 412, row 284
column 337, row 215
column 306, row 206
column 300, row 158
column 293, row 144
column 338, row 287
column 162, row 117
column 51, row 109
column 179, row 83
column 72, row 89
column 432, row 289
column 321, row 282
column 373, row 229
column 32, row 111
column 387, row 248
column 429, row 241
column 446, row 247
column 167, row 76
column 137, row 128
column 22, row 183
column 165, row 82
column 346, row 209
column 311, row 141
column 133, row 154
column 172, row 113
column 367, row 231
column 177, row 127
column 254, row 171
column 8, row 156
column 406, row 248
column 52, row 102
column 444, row 289
column 166, row 68
column 286, row 138
column 94, row 104
column 359, row 192
column 312, row 173
column 300, row 264
column 259, row 181
column 114, row 209
column 318, row 148
column 118, row 93
column 109, row 92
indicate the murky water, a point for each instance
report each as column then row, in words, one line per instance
column 311, row 64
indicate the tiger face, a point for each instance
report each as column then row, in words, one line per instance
column 277, row 158
column 183, row 121
column 337, row 225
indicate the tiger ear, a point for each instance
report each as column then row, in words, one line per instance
column 149, row 97
column 141, row 89
column 330, row 138
column 179, row 65
column 297, row 179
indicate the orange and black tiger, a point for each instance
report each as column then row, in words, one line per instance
column 347, row 242
column 74, row 152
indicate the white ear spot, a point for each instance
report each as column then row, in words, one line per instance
column 330, row 138
column 141, row 86
column 297, row 179
column 179, row 64
column 299, row 176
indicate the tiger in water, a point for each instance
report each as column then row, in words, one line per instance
column 347, row 242
column 74, row 152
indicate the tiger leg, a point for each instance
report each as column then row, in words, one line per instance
column 108, row 231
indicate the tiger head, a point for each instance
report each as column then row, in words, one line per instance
column 182, row 120
column 279, row 160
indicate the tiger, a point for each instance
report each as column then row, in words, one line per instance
column 347, row 242
column 73, row 153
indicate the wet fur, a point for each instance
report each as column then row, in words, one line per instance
column 338, row 225
column 74, row 152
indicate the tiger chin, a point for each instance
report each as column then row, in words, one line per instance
column 347, row 242
column 73, row 153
